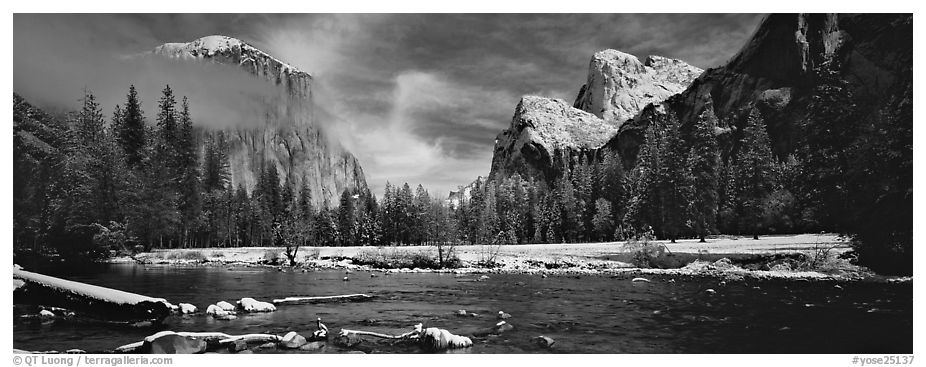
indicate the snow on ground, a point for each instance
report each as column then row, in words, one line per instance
column 530, row 258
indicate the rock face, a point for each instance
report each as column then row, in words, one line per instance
column 547, row 136
column 620, row 85
column 544, row 137
column 774, row 73
column 289, row 137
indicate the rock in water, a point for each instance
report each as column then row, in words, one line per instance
column 440, row 339
column 619, row 85
column 281, row 127
column 186, row 308
column 292, row 340
column 640, row 280
column 225, row 306
column 168, row 342
column 544, row 342
column 46, row 314
column 252, row 305
column 313, row 346
column 348, row 340
column 503, row 316
column 237, row 346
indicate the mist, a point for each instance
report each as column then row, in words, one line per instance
column 55, row 62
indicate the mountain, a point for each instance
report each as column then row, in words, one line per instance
column 620, row 85
column 547, row 135
column 544, row 136
column 776, row 72
column 288, row 137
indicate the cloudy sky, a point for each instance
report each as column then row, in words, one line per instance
column 419, row 98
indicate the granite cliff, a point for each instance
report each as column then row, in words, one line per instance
column 288, row 136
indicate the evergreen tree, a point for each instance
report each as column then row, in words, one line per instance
column 753, row 171
column 188, row 188
column 643, row 199
column 603, row 224
column 215, row 164
column 131, row 130
column 675, row 188
column 167, row 128
column 705, row 165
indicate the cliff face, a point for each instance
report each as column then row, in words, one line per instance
column 288, row 137
column 547, row 136
column 620, row 85
column 544, row 137
column 775, row 73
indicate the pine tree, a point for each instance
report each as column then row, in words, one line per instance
column 346, row 218
column 131, row 132
column 167, row 128
column 753, row 171
column 188, row 184
column 215, row 164
column 675, row 188
column 704, row 162
column 643, row 199
column 603, row 224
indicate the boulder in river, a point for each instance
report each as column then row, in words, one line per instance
column 313, row 346
column 252, row 305
column 169, row 342
column 186, row 308
column 225, row 306
column 544, row 341
column 292, row 340
column 441, row 339
column 349, row 340
column 237, row 346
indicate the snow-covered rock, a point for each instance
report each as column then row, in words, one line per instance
column 169, row 342
column 186, row 308
column 225, row 306
column 214, row 310
column 252, row 305
column 620, row 85
column 545, row 135
column 46, row 313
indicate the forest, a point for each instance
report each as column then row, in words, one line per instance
column 89, row 186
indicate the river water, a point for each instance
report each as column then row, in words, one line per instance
column 586, row 314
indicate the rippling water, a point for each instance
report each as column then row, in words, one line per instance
column 587, row 314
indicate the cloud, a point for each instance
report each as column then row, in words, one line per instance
column 55, row 61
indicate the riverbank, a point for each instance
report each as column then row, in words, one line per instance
column 803, row 256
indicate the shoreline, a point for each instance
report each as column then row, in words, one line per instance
column 717, row 258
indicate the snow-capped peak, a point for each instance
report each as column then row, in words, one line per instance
column 210, row 46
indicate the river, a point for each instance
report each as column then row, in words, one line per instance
column 586, row 314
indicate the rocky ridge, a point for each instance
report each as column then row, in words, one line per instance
column 620, row 85
column 543, row 135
